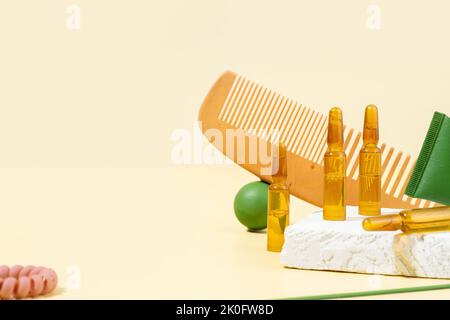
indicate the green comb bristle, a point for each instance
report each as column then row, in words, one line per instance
column 425, row 153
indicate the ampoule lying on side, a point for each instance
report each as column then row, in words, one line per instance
column 411, row 221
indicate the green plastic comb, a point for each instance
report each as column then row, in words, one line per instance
column 430, row 179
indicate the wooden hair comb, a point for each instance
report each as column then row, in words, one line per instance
column 235, row 103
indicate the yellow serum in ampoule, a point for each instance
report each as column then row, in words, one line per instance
column 278, row 201
column 370, row 166
column 421, row 220
column 334, row 192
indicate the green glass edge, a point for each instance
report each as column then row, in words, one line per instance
column 371, row 293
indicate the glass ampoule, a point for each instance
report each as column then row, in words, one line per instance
column 411, row 221
column 278, row 200
column 334, row 193
column 370, row 166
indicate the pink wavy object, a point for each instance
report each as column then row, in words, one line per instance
column 20, row 282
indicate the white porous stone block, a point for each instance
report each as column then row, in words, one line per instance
column 314, row 243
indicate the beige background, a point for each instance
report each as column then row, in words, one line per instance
column 87, row 115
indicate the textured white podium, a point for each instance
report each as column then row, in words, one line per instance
column 313, row 243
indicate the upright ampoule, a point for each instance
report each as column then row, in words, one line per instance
column 334, row 193
column 370, row 166
column 411, row 221
column 278, row 200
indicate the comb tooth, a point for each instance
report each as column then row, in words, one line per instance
column 296, row 127
column 281, row 122
column 428, row 204
column 314, row 138
column 347, row 139
column 256, row 108
column 285, row 121
column 277, row 120
column 355, row 161
column 391, row 172
column 348, row 144
column 323, row 145
column 249, row 106
column 285, row 126
column 400, row 177
column 396, row 175
column 309, row 134
column 405, row 198
column 405, row 183
column 235, row 88
column 237, row 100
column 352, row 155
column 313, row 142
column 257, row 124
column 272, row 116
column 323, row 149
column 321, row 141
column 422, row 203
column 303, row 127
column 271, row 109
column 305, row 131
column 386, row 161
column 246, row 105
column 291, row 125
column 412, row 201
column 242, row 103
column 229, row 97
column 268, row 118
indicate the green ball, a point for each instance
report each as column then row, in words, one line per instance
column 250, row 205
